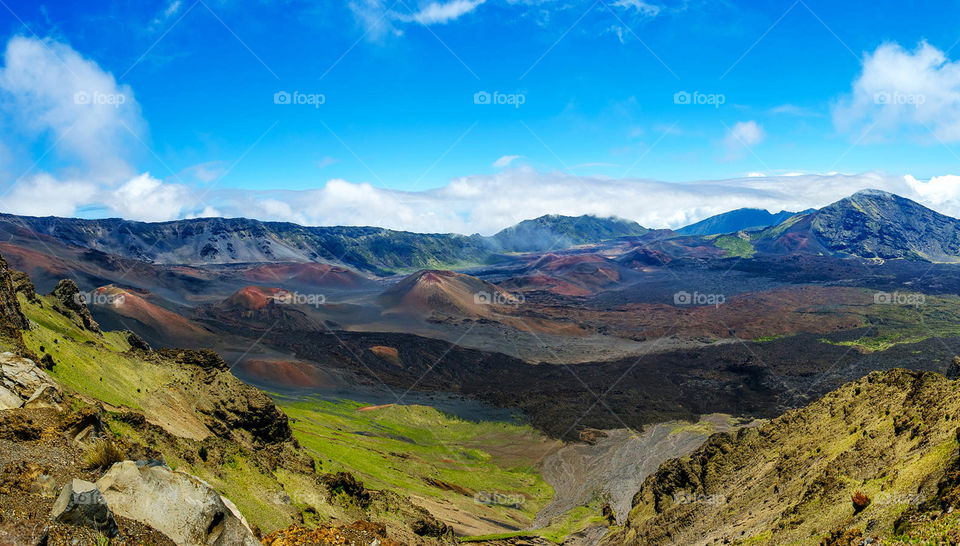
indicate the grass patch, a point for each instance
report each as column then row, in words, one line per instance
column 90, row 364
column 401, row 447
column 735, row 247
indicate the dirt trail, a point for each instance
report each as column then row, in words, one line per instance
column 614, row 468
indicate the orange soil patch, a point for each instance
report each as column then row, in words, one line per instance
column 290, row 373
column 134, row 304
column 309, row 273
column 374, row 408
column 386, row 353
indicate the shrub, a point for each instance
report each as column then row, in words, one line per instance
column 103, row 454
column 860, row 502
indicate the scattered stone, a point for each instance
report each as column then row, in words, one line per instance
column 592, row 436
column 361, row 533
column 81, row 503
column 19, row 477
column 84, row 426
column 181, row 506
column 45, row 485
column 20, row 533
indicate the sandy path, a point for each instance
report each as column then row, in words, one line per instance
column 614, row 468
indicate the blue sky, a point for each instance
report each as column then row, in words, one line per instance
column 796, row 84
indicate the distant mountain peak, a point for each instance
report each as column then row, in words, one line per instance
column 869, row 192
column 736, row 220
column 871, row 224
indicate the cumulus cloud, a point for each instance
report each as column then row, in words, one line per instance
column 146, row 198
column 903, row 93
column 54, row 98
column 741, row 137
column 50, row 90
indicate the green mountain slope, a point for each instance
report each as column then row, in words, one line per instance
column 889, row 437
column 868, row 224
column 555, row 232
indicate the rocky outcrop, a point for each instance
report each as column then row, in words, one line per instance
column 23, row 285
column 137, row 343
column 80, row 503
column 11, row 316
column 232, row 408
column 23, row 383
column 181, row 506
column 73, row 302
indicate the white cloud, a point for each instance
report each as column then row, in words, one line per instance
column 903, row 93
column 379, row 20
column 148, row 199
column 374, row 17
column 741, row 137
column 53, row 94
column 444, row 12
column 505, row 161
column 326, row 161
column 44, row 195
column 639, row 6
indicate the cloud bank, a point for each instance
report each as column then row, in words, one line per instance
column 487, row 203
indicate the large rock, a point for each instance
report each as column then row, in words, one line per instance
column 46, row 396
column 22, row 380
column 11, row 315
column 9, row 400
column 80, row 503
column 181, row 506
column 68, row 294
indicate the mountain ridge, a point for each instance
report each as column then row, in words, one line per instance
column 737, row 220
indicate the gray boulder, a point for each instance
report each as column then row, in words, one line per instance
column 80, row 503
column 46, row 396
column 21, row 380
column 182, row 507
